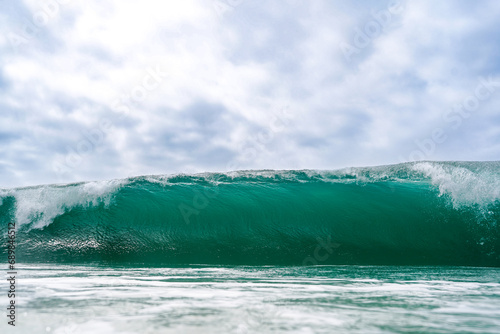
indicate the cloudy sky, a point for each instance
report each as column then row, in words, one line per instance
column 94, row 90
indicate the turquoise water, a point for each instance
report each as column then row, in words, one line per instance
column 412, row 214
column 64, row 299
column 408, row 248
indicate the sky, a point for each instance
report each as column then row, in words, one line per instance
column 95, row 90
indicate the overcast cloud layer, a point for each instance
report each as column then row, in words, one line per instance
column 109, row 89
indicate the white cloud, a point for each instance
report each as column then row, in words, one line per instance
column 230, row 74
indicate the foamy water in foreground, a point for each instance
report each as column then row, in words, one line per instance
column 64, row 299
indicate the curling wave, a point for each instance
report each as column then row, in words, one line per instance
column 414, row 213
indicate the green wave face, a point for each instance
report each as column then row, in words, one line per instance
column 416, row 213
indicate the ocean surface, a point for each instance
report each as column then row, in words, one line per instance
column 407, row 248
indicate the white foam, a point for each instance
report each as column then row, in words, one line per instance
column 40, row 205
column 3, row 193
column 465, row 186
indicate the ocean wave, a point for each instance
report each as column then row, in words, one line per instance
column 412, row 213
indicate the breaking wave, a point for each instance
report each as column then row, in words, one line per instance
column 421, row 213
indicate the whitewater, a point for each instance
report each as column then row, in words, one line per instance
column 417, row 213
column 412, row 247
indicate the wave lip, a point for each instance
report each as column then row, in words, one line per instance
column 413, row 213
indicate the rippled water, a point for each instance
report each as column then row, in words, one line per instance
column 322, row 299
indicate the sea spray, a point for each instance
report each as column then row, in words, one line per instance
column 424, row 213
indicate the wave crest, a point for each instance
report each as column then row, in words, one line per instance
column 413, row 213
